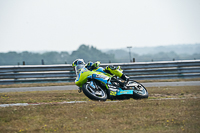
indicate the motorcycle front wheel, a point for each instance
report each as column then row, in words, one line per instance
column 94, row 92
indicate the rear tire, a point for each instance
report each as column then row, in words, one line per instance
column 139, row 91
column 98, row 94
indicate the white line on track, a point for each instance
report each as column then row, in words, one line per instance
column 27, row 104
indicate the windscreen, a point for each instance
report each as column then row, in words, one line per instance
column 78, row 68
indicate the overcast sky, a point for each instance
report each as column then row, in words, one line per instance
column 63, row 25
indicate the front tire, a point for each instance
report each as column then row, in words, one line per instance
column 94, row 92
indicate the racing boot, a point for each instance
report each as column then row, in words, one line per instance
column 125, row 78
column 116, row 80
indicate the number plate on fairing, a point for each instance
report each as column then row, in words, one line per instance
column 113, row 93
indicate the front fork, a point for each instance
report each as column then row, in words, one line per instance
column 80, row 89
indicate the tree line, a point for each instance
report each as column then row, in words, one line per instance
column 88, row 53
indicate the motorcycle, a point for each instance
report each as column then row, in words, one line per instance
column 99, row 85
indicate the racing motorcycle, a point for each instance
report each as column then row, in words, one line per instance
column 99, row 85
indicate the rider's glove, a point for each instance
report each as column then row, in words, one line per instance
column 89, row 65
column 95, row 65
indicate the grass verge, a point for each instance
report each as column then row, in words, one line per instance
column 174, row 115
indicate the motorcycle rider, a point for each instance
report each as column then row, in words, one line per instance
column 109, row 69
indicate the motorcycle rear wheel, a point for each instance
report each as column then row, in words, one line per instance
column 96, row 93
column 139, row 91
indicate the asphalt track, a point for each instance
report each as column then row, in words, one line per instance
column 73, row 87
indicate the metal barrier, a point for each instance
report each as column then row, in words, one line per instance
column 65, row 73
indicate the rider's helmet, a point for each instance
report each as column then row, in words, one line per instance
column 78, row 62
column 89, row 65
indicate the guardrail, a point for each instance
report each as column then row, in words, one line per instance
column 65, row 73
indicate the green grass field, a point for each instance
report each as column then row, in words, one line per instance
column 155, row 114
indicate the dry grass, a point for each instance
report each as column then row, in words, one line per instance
column 41, row 96
column 36, row 85
column 149, row 115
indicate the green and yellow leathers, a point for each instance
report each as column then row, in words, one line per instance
column 115, row 71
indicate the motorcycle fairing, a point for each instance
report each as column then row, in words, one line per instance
column 120, row 91
column 100, row 77
column 86, row 74
column 82, row 77
column 119, row 94
column 100, row 69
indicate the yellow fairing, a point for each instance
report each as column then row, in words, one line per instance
column 83, row 76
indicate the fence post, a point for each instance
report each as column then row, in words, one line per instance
column 133, row 59
column 42, row 62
